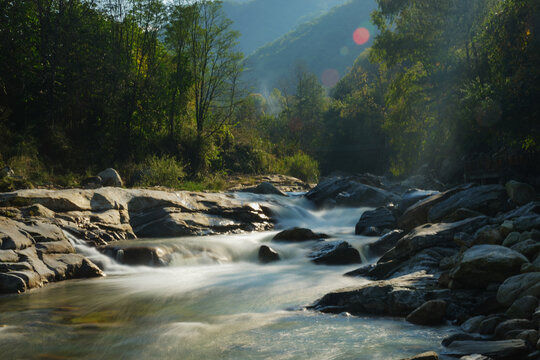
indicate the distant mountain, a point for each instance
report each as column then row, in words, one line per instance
column 328, row 46
column 263, row 21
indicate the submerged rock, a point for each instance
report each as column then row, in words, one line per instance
column 297, row 234
column 335, row 253
column 267, row 255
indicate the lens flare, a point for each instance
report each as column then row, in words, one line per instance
column 330, row 77
column 361, row 36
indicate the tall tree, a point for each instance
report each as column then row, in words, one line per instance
column 215, row 66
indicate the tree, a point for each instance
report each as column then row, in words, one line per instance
column 215, row 66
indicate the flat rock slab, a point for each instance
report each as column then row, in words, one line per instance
column 497, row 350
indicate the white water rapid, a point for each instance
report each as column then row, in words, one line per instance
column 213, row 301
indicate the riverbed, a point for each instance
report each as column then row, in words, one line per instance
column 214, row 300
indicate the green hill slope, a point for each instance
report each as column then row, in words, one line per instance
column 263, row 21
column 325, row 45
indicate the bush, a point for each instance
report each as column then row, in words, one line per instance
column 160, row 171
column 299, row 165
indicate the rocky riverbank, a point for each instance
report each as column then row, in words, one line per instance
column 468, row 255
column 34, row 249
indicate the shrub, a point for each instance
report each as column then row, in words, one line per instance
column 161, row 171
column 299, row 165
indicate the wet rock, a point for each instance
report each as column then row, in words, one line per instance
column 529, row 248
column 335, row 253
column 138, row 255
column 413, row 196
column 513, row 324
column 350, row 191
column 430, row 355
column 110, row 177
column 529, row 336
column 503, row 350
column 472, row 325
column 485, row 264
column 511, row 239
column 489, row 235
column 487, row 199
column 429, row 313
column 519, row 286
column 459, row 337
column 475, row 357
column 506, row 228
column 385, row 243
column 380, row 218
column 11, row 283
column 462, row 214
column 429, row 236
column 520, row 193
column 267, row 254
column 297, row 234
column 488, row 326
column 267, row 189
column 417, row 214
column 71, row 266
column 396, row 297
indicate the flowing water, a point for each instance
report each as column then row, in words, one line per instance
column 213, row 301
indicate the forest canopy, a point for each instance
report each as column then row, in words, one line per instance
column 147, row 86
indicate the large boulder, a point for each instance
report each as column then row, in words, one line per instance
column 396, row 297
column 487, row 199
column 297, row 234
column 335, row 253
column 519, row 286
column 520, row 193
column 523, row 308
column 431, row 235
column 350, row 191
column 512, row 325
column 110, row 177
column 380, row 219
column 413, row 196
column 484, row 264
column 417, row 214
column 429, row 313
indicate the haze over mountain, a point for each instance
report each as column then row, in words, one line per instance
column 327, row 46
column 263, row 21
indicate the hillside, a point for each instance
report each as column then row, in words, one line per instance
column 327, row 45
column 263, row 21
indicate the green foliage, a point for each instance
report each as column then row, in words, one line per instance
column 161, row 171
column 299, row 165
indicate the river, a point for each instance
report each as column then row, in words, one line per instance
column 213, row 301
